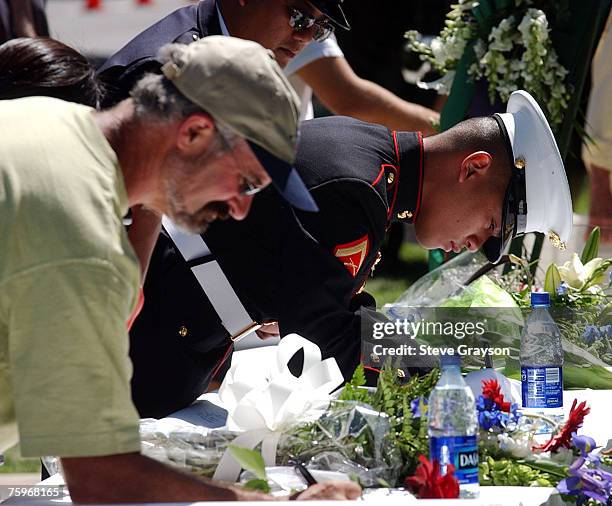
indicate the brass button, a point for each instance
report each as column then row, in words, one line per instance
column 390, row 178
column 183, row 331
column 404, row 214
column 556, row 241
column 520, row 163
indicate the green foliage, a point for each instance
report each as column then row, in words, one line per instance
column 408, row 433
column 249, row 460
column 353, row 390
column 14, row 463
column 257, row 484
column 552, row 279
column 591, row 248
column 514, row 473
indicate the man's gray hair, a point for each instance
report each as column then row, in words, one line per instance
column 157, row 99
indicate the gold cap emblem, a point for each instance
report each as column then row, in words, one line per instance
column 556, row 241
column 401, row 374
column 404, row 214
column 520, row 163
column 375, row 358
column 183, row 331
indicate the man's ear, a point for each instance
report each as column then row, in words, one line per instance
column 195, row 133
column 475, row 164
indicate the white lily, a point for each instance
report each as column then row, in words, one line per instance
column 576, row 275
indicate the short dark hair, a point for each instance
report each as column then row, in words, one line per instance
column 45, row 66
column 483, row 134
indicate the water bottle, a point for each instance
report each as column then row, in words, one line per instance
column 453, row 426
column 542, row 362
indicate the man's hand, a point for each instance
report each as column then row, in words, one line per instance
column 268, row 330
column 331, row 490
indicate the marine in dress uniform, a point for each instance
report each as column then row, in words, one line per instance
column 304, row 270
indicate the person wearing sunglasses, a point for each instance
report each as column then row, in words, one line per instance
column 299, row 33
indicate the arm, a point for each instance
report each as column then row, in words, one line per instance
column 342, row 91
column 134, row 478
column 22, row 18
column 143, row 234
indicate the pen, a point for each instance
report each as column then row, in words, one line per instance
column 300, row 468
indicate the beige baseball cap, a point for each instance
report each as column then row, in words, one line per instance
column 240, row 84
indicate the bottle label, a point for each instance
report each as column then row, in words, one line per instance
column 542, row 387
column 461, row 451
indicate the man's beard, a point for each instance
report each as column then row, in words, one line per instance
column 198, row 222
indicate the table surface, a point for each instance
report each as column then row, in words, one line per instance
column 596, row 425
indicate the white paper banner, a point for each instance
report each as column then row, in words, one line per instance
column 262, row 400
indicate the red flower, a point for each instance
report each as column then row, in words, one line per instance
column 492, row 390
column 428, row 484
column 564, row 436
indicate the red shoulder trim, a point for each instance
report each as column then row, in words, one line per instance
column 420, row 193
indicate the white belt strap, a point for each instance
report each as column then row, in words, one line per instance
column 213, row 281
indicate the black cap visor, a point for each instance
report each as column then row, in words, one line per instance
column 286, row 179
column 333, row 10
column 494, row 247
column 514, row 217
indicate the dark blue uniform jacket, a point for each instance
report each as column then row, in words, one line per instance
column 304, row 270
column 121, row 71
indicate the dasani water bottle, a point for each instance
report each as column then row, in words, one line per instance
column 542, row 361
column 453, row 426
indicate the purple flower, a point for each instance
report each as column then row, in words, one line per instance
column 585, row 444
column 590, row 334
column 562, row 289
column 605, row 331
column 415, row 406
column 569, row 485
column 491, row 416
column 586, row 480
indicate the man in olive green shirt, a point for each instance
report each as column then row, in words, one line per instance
column 69, row 278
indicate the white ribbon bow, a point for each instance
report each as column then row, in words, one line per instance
column 262, row 400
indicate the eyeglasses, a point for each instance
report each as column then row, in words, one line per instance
column 247, row 188
column 299, row 21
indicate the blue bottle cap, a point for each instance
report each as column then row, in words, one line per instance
column 539, row 299
column 450, row 360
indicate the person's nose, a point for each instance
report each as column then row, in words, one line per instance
column 304, row 36
column 239, row 206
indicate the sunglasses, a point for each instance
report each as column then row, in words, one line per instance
column 299, row 21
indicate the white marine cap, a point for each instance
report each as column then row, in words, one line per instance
column 538, row 196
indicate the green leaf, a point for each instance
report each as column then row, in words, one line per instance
column 591, row 248
column 249, row 460
column 257, row 484
column 552, row 280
